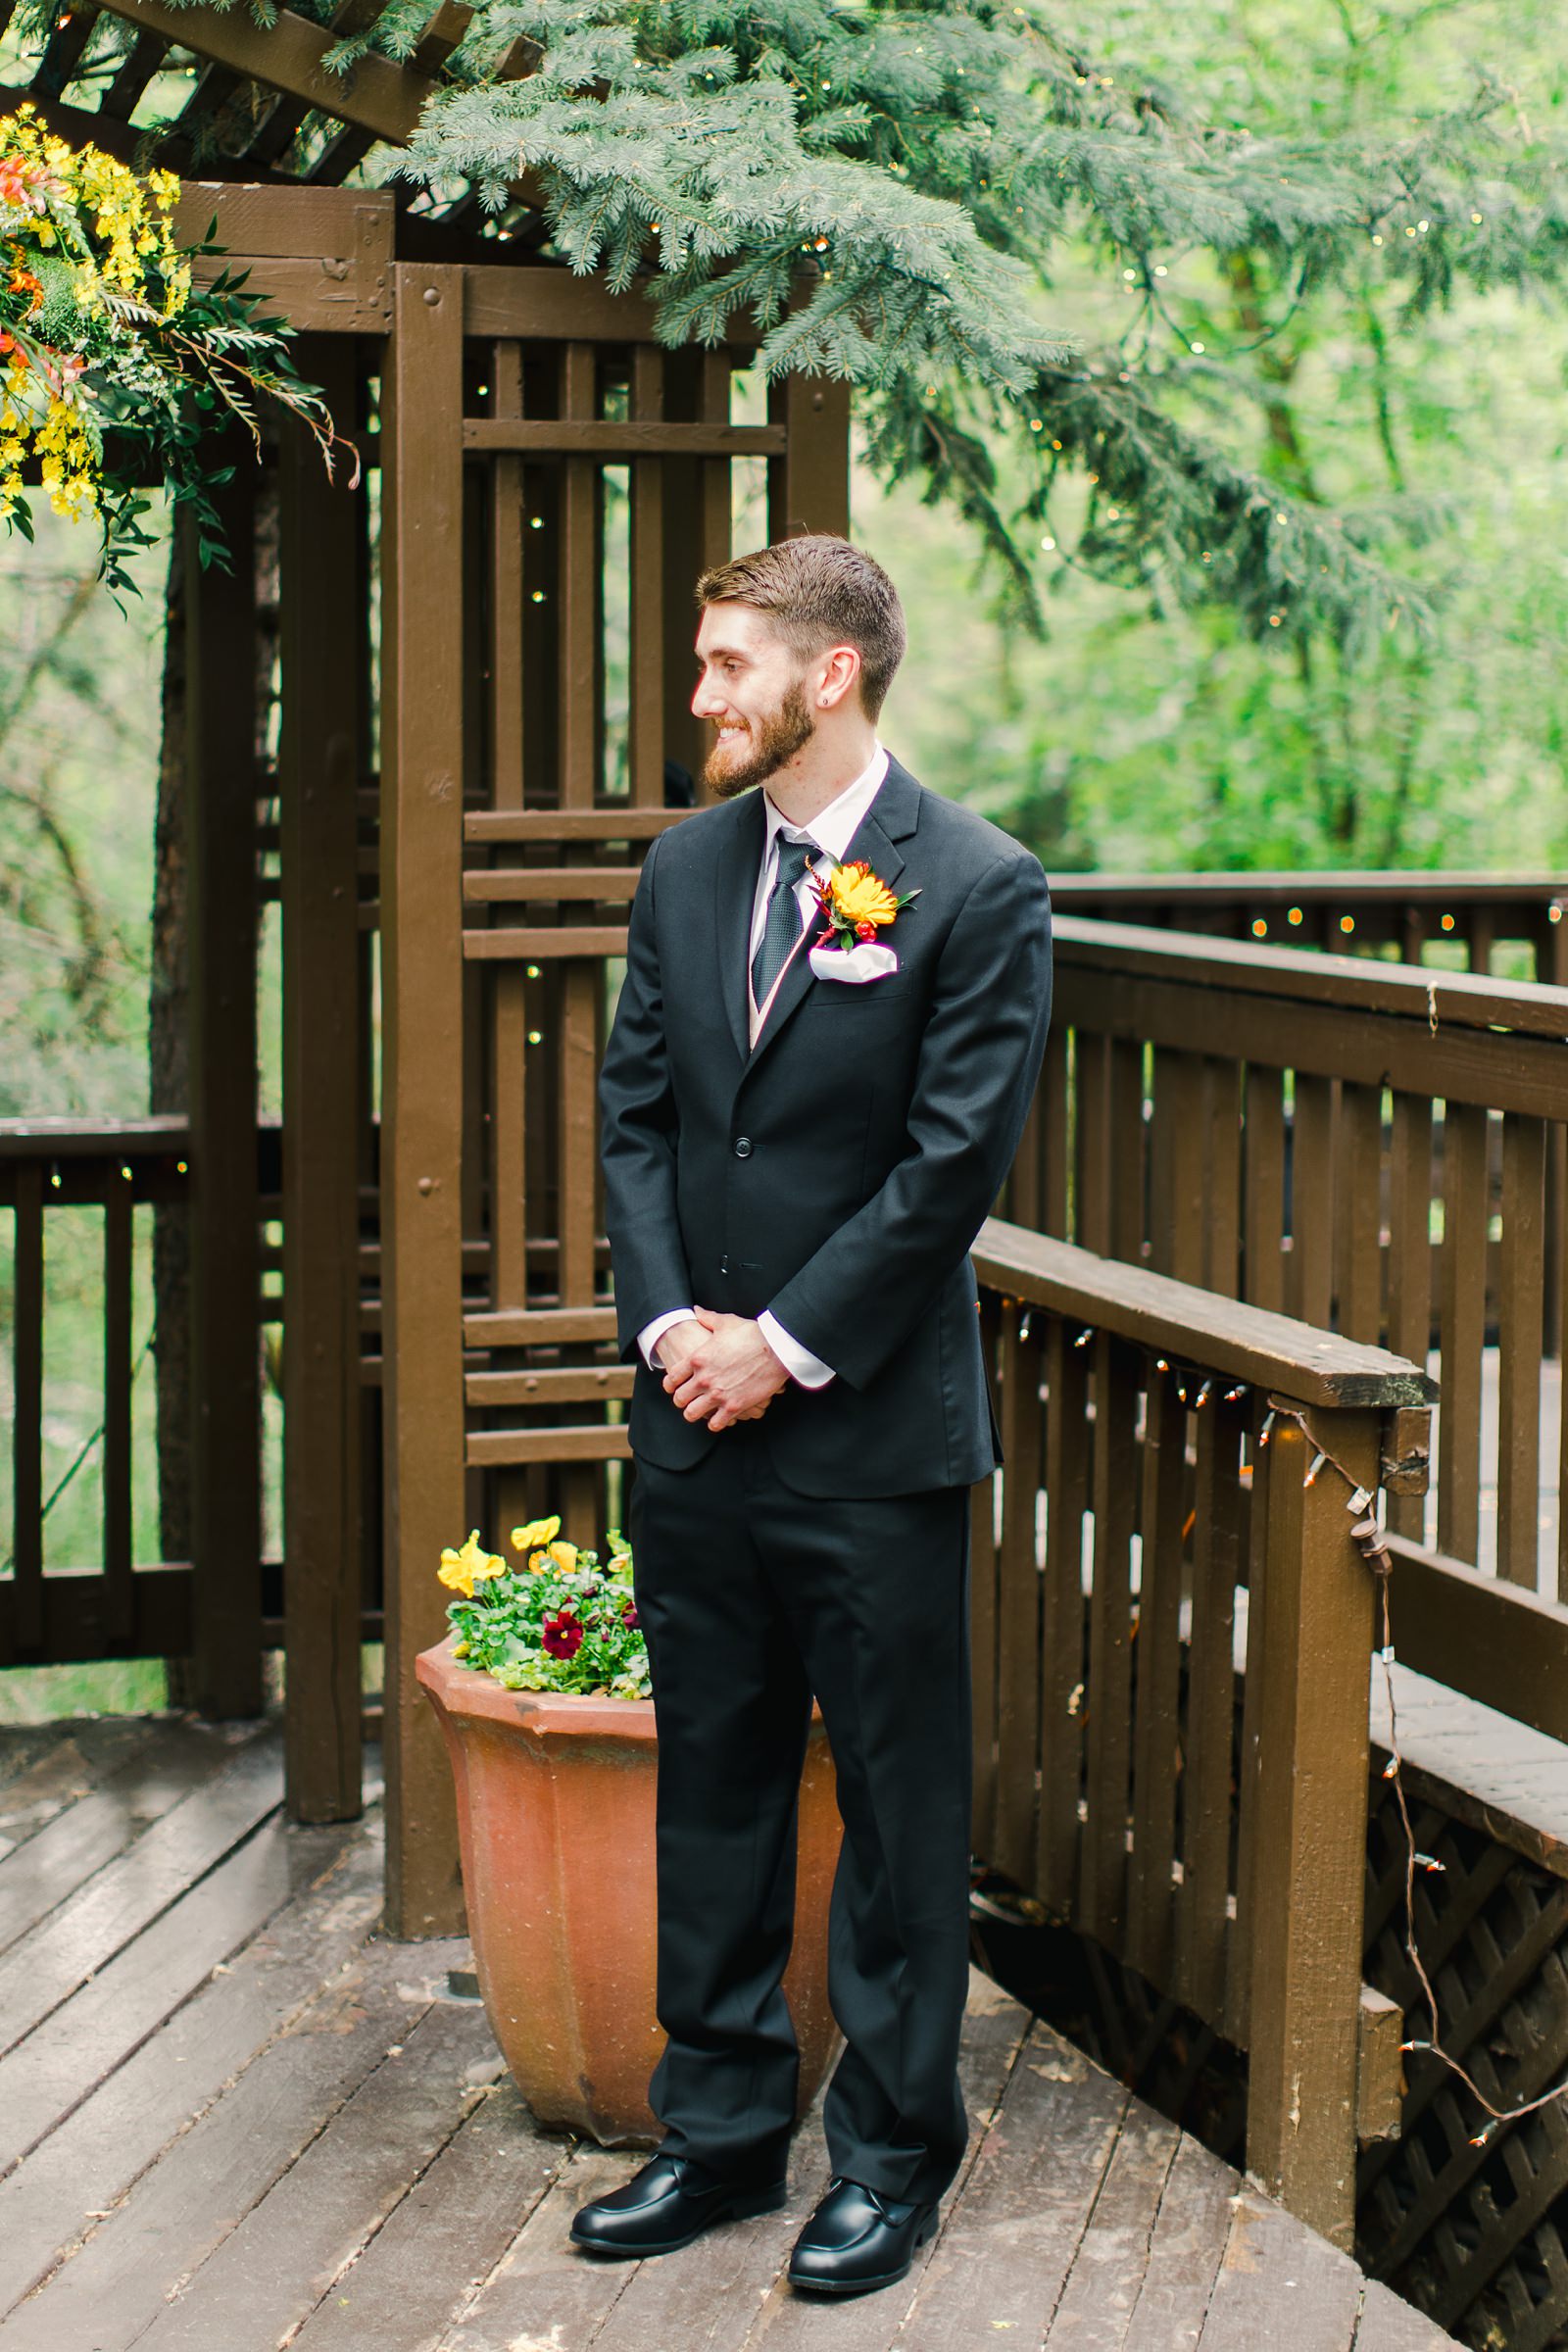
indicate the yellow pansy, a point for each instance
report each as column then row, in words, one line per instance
column 536, row 1532
column 565, row 1556
column 473, row 1564
column 858, row 896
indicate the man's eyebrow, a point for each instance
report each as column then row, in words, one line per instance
column 718, row 653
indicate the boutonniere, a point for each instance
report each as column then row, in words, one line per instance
column 856, row 907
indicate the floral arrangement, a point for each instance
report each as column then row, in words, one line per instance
column 562, row 1620
column 110, row 357
column 856, row 903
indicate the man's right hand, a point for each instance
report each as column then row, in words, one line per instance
column 675, row 1348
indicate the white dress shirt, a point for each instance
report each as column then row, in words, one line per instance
column 831, row 832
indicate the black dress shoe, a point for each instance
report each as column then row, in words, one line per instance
column 669, row 2202
column 857, row 2239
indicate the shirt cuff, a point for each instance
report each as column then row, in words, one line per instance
column 798, row 1362
column 650, row 1334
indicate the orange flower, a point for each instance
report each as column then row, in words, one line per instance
column 858, row 898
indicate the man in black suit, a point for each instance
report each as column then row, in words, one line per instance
column 803, row 1130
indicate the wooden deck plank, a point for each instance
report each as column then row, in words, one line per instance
column 417, row 2273
column 1280, row 2287
column 1185, row 2252
column 110, row 2291
column 1010, row 2237
column 1101, row 2297
column 994, row 2032
column 66, row 1852
column 90, row 2161
column 1390, row 2324
column 47, row 1766
column 48, row 1964
column 61, row 2062
column 546, row 2291
column 271, row 2273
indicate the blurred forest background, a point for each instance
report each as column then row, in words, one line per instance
column 1130, row 735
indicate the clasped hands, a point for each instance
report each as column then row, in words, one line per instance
column 719, row 1368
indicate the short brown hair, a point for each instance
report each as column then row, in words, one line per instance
column 817, row 591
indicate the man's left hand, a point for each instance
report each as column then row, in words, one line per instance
column 733, row 1376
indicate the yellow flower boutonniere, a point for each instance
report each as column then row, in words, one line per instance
column 856, row 905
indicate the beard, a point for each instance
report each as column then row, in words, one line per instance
column 775, row 738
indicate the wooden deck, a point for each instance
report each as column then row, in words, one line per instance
column 233, row 2117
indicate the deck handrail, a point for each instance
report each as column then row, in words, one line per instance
column 1237, row 1342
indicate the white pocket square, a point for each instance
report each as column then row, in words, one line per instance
column 868, row 961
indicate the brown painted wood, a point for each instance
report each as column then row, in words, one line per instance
column 545, row 2288
column 1409, row 1331
column 1238, row 1975
column 544, row 1326
column 1358, row 1217
column 554, row 306
column 81, row 1936
column 618, row 441
column 456, row 2222
column 808, row 490
column 93, row 2154
column 1498, row 1642
column 1309, row 1280
column 1263, row 1189
column 1125, row 1098
column 119, row 1599
column 423, row 1061
column 1280, row 2286
column 1061, row 1664
column 552, row 825
column 1156, row 1756
column 1108, row 1699
column 591, row 1385
column 225, row 1386
column 578, row 885
column 1310, row 1828
column 320, row 752
column 493, row 1448
column 646, row 714
column 1462, row 1325
column 1018, row 1604
column 1201, row 1912
column 1160, row 1315
column 26, row 1427
column 983, row 1651
column 1379, row 2068
column 380, row 96
column 570, row 942
column 1055, row 1131
column 1390, row 2325
column 1521, row 1319
column 1091, row 1136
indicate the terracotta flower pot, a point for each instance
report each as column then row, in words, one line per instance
column 556, row 1823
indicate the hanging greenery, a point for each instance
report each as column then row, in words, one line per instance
column 114, row 365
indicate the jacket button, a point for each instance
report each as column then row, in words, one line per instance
column 742, row 1147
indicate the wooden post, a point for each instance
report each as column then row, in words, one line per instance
column 226, row 1670
column 319, row 758
column 1309, row 1827
column 808, row 487
column 421, row 1110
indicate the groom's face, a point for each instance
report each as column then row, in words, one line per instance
column 753, row 691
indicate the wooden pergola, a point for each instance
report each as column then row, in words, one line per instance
column 455, row 848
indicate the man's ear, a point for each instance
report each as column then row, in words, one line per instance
column 839, row 675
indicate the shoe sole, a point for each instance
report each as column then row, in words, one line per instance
column 738, row 2209
column 861, row 2286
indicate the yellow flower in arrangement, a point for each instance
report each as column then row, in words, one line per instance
column 538, row 1534
column 471, row 1564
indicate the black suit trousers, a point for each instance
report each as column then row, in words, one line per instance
column 753, row 1597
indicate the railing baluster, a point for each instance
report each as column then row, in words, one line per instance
column 1263, row 1158
column 120, row 1599
column 1463, row 1328
column 983, row 1611
column 1108, row 1695
column 1157, row 1660
column 26, row 1437
column 1310, row 1285
column 1199, row 1977
column 1358, row 1214
column 1520, row 1320
column 1018, row 1605
column 1062, row 1647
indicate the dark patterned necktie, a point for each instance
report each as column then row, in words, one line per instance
column 782, row 928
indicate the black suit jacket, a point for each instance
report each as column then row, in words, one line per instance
column 838, row 1173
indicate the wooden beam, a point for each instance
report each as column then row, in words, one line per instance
column 377, row 94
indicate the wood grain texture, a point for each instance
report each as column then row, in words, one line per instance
column 1280, row 2286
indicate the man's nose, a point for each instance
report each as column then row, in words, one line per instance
column 705, row 703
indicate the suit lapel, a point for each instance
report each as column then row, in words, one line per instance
column 735, row 891
column 892, row 817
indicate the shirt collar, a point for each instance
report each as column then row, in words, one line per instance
column 834, row 827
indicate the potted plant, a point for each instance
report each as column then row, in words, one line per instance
column 543, row 1692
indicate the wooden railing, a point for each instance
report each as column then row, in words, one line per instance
column 1372, row 1148
column 1145, row 1537
column 1411, row 914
